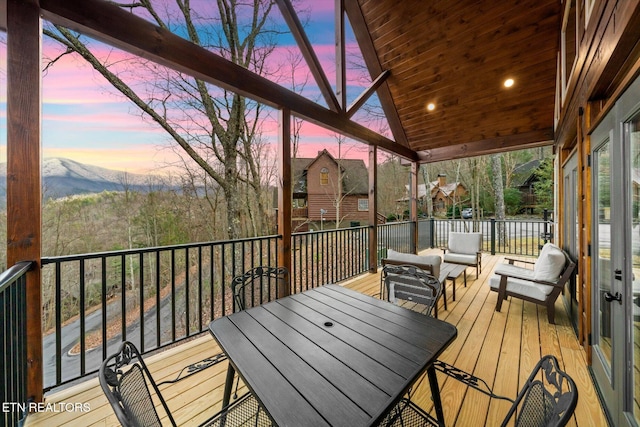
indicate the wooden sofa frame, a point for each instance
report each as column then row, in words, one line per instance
column 550, row 300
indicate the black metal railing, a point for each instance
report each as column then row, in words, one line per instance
column 13, row 357
column 328, row 256
column 396, row 236
column 515, row 237
column 156, row 297
column 153, row 297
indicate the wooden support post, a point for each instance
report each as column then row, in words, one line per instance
column 584, row 239
column 413, row 209
column 284, row 194
column 341, row 63
column 373, row 209
column 24, row 206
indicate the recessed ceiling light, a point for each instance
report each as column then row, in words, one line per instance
column 508, row 83
column 431, row 106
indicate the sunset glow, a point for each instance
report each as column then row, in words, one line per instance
column 85, row 119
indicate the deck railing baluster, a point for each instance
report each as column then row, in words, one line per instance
column 141, row 296
column 83, row 310
column 318, row 257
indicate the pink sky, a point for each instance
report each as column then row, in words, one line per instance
column 86, row 120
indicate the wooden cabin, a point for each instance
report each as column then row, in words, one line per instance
column 455, row 79
column 329, row 191
column 447, row 194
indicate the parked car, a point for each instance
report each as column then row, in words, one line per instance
column 467, row 213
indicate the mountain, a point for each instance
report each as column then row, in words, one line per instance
column 64, row 177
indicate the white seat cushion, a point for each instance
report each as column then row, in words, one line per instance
column 512, row 270
column 549, row 264
column 522, row 287
column 460, row 258
column 411, row 259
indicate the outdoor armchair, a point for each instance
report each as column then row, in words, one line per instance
column 428, row 263
column 464, row 249
column 129, row 386
column 541, row 285
column 411, row 284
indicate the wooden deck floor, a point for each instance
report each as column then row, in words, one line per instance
column 501, row 348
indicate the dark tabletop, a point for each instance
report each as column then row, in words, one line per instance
column 330, row 356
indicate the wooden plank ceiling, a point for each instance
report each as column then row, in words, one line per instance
column 457, row 56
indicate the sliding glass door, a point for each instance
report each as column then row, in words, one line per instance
column 616, row 258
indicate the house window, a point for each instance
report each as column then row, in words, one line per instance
column 324, row 176
column 363, row 204
column 299, row 203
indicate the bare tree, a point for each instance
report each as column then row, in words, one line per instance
column 392, row 186
column 498, row 187
column 427, row 188
column 339, row 192
column 212, row 126
column 127, row 210
column 294, row 62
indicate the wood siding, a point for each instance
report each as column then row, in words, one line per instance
column 607, row 60
column 348, row 208
column 321, row 195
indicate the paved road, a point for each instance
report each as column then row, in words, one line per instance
column 70, row 336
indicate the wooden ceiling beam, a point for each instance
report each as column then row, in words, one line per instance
column 109, row 23
column 531, row 139
column 364, row 96
column 291, row 18
column 359, row 26
column 341, row 55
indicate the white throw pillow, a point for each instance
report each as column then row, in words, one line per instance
column 549, row 264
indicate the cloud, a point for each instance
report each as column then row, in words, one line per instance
column 86, row 117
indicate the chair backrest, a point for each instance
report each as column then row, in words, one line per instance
column 125, row 380
column 428, row 263
column 410, row 283
column 257, row 286
column 548, row 398
column 465, row 243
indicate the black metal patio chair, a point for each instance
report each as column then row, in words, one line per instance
column 408, row 283
column 412, row 284
column 257, row 286
column 408, row 414
column 132, row 393
column 548, row 397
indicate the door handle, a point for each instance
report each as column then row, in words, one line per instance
column 608, row 297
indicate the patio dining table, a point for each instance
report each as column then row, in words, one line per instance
column 331, row 356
